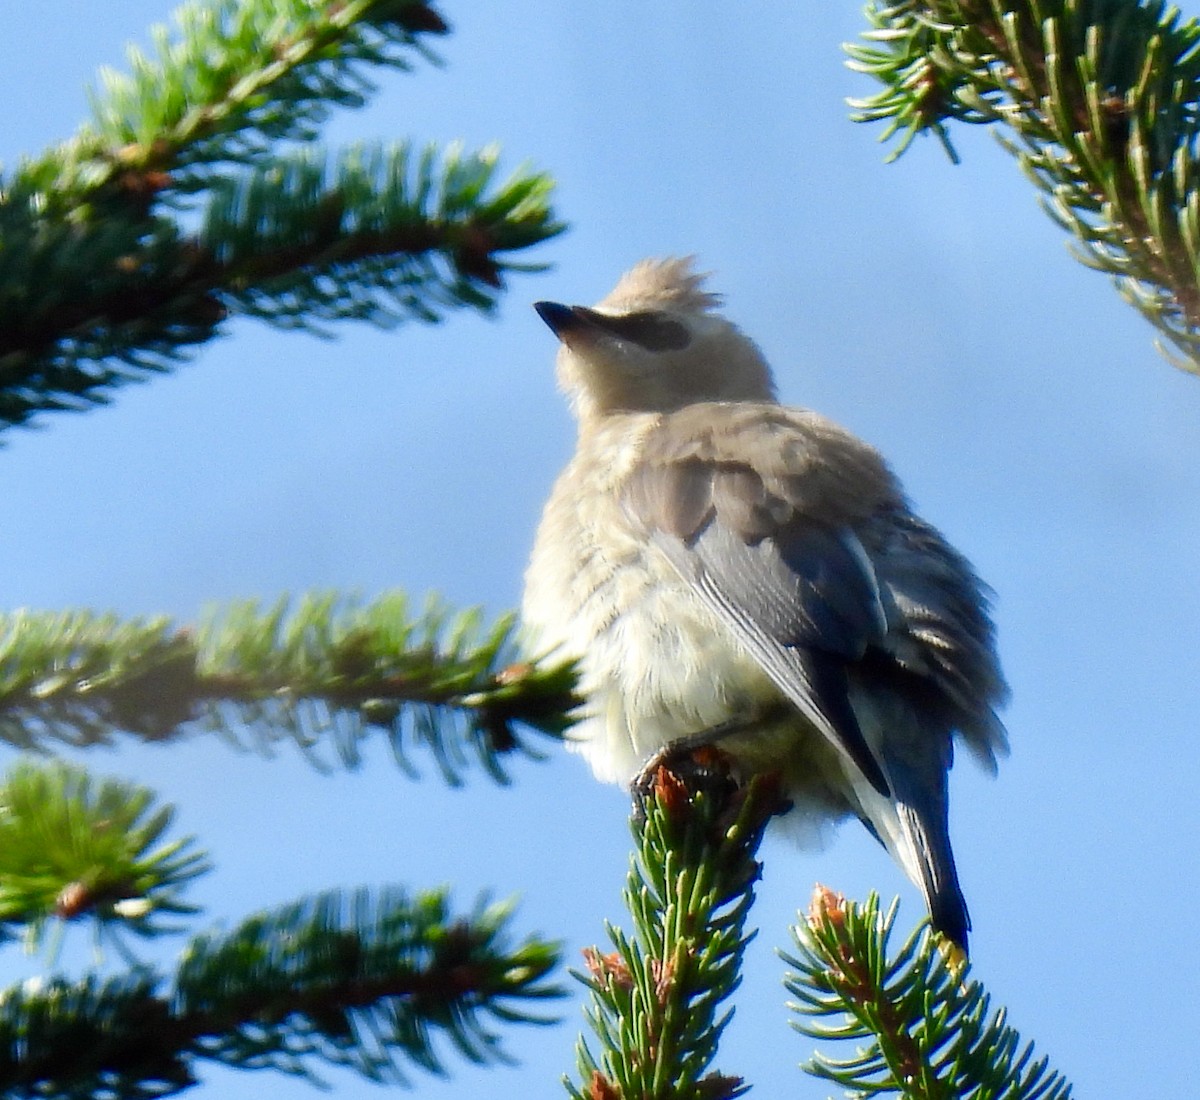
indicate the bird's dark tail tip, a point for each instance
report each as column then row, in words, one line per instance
column 948, row 914
column 932, row 868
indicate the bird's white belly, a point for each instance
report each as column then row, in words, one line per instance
column 654, row 668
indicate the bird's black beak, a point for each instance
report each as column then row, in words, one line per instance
column 562, row 319
column 652, row 331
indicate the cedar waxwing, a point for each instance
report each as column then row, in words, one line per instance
column 719, row 562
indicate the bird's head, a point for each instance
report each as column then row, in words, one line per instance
column 654, row 344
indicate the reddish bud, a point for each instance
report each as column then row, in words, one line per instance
column 601, row 1088
column 514, row 673
column 663, row 971
column 826, row 907
column 670, row 791
column 608, row 970
column 73, row 901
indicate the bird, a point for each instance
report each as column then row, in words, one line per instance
column 721, row 565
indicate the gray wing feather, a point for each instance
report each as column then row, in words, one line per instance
column 800, row 597
column 937, row 609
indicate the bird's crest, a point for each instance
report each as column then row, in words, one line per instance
column 669, row 283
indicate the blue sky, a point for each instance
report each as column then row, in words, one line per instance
column 932, row 309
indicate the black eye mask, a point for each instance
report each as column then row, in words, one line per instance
column 652, row 331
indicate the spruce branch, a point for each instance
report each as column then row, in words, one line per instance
column 380, row 235
column 326, row 670
column 925, row 1032
column 656, row 998
column 71, row 848
column 228, row 82
column 103, row 283
column 1102, row 102
column 362, row 982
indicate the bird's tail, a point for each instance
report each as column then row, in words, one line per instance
column 924, row 853
column 913, row 824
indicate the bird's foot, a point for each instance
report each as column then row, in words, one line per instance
column 691, row 754
column 693, row 762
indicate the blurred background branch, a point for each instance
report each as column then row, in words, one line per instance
column 187, row 199
column 323, row 673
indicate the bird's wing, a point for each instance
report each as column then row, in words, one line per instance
column 940, row 629
column 748, row 511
